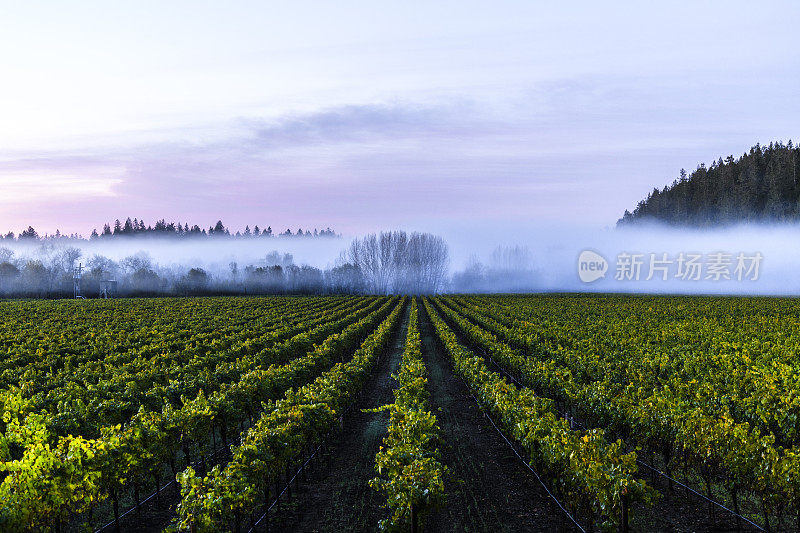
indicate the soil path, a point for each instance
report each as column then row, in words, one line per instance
column 337, row 496
column 488, row 489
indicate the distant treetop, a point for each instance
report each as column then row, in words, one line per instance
column 161, row 228
column 759, row 186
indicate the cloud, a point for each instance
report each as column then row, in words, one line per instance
column 365, row 123
column 56, row 182
column 585, row 147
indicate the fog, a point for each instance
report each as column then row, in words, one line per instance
column 153, row 265
column 746, row 259
column 554, row 252
column 120, row 265
column 207, row 252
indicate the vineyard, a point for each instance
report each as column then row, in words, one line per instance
column 356, row 413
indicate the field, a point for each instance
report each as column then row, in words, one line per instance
column 454, row 413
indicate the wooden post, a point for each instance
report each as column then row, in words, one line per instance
column 158, row 490
column 624, row 522
column 709, row 496
column 288, row 484
column 174, row 472
column 115, row 504
column 685, row 473
column 668, row 467
column 653, row 469
column 266, row 504
column 736, row 507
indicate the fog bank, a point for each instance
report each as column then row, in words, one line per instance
column 746, row 259
column 554, row 252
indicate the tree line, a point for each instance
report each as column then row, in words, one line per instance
column 393, row 262
column 161, row 228
column 759, row 186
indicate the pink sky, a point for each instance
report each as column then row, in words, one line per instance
column 364, row 118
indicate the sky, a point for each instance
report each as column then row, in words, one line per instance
column 364, row 116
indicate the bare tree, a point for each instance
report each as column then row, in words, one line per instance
column 428, row 260
column 68, row 257
column 512, row 258
column 6, row 255
column 394, row 262
column 100, row 266
column 137, row 262
column 234, row 266
column 345, row 278
column 510, row 269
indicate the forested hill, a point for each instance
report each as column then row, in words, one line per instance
column 760, row 186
